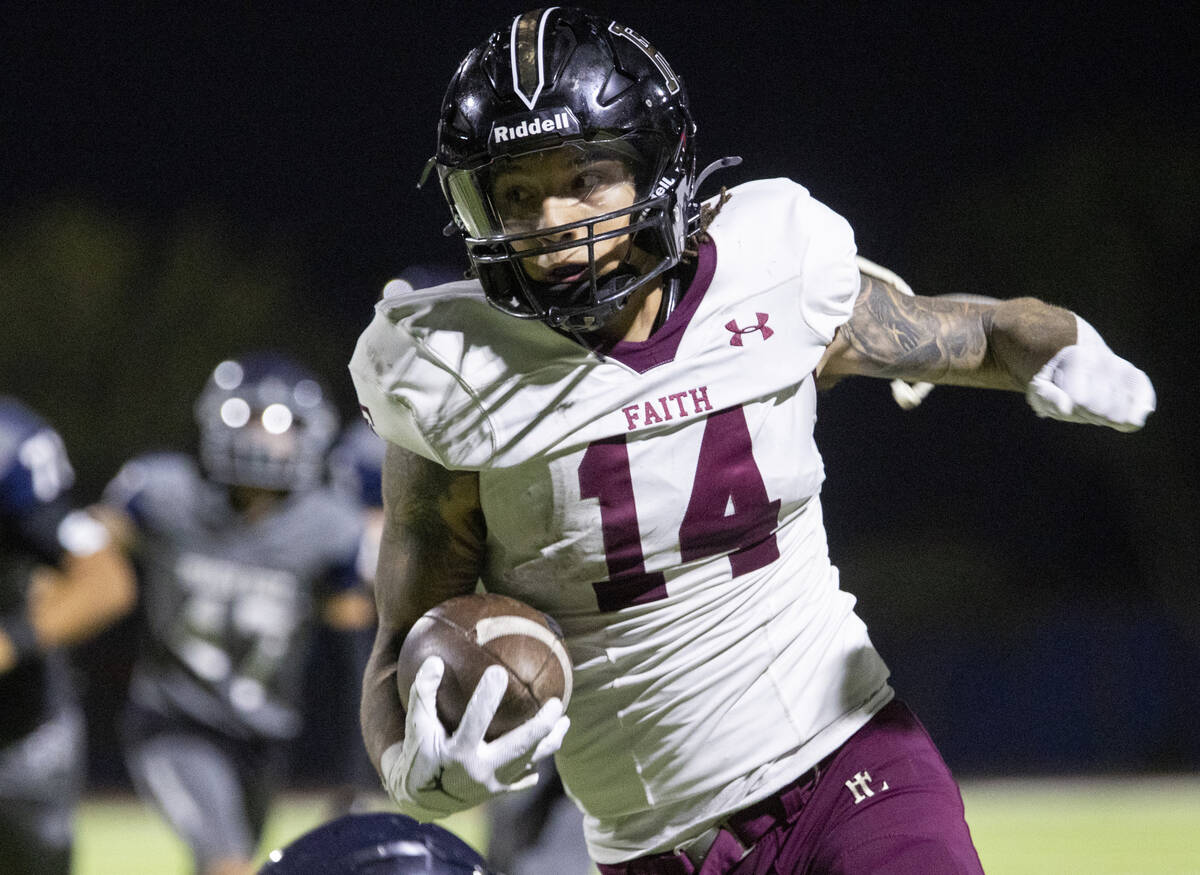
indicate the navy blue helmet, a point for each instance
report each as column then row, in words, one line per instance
column 265, row 421
column 377, row 843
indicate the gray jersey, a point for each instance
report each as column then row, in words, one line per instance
column 229, row 603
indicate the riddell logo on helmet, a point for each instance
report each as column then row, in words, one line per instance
column 552, row 121
column 664, row 185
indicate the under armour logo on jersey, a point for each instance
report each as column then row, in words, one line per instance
column 860, row 787
column 761, row 328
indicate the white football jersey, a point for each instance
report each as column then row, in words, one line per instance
column 661, row 502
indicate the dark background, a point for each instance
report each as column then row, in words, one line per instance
column 183, row 182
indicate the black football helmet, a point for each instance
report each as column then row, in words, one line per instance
column 378, row 843
column 265, row 421
column 563, row 79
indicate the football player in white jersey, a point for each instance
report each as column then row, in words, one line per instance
column 614, row 423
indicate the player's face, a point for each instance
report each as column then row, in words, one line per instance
column 547, row 190
column 266, row 447
column 270, row 449
column 277, row 446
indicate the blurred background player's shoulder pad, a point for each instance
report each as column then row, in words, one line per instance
column 16, row 423
column 155, row 484
column 327, row 516
column 422, row 276
column 33, row 461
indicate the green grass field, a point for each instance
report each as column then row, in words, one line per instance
column 1021, row 827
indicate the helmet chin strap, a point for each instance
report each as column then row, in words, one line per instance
column 673, row 288
column 672, row 292
column 605, row 309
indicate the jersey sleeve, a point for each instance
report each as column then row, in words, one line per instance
column 410, row 370
column 828, row 267
column 39, row 527
column 383, row 356
column 776, row 232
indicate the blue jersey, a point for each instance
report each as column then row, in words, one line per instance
column 356, row 465
column 35, row 477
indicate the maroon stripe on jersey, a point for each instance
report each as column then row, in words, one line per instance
column 661, row 348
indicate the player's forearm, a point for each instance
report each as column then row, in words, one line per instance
column 1022, row 335
column 68, row 605
column 410, row 581
column 380, row 712
column 348, row 611
column 951, row 339
column 86, row 596
column 431, row 549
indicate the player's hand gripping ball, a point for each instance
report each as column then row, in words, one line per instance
column 472, row 632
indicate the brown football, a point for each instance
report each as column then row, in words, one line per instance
column 472, row 632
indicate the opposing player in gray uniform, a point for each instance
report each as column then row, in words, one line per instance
column 61, row 581
column 237, row 557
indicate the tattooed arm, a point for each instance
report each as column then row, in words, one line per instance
column 431, row 550
column 999, row 345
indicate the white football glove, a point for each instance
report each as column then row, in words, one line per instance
column 910, row 395
column 431, row 774
column 1087, row 382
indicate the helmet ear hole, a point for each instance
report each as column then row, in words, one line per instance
column 614, row 86
column 459, row 123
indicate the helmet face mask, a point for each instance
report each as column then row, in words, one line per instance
column 565, row 153
column 565, row 234
column 266, row 423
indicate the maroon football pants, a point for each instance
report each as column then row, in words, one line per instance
column 884, row 802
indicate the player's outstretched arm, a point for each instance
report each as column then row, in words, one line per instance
column 84, row 596
column 91, row 588
column 1057, row 359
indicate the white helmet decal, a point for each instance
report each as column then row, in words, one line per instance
column 672, row 81
column 529, row 72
